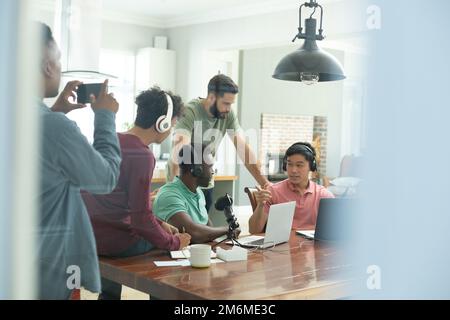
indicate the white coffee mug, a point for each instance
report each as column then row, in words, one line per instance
column 200, row 255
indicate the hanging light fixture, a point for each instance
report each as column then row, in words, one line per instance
column 78, row 31
column 309, row 64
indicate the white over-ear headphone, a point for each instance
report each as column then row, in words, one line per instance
column 164, row 123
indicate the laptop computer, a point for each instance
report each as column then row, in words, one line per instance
column 278, row 228
column 334, row 220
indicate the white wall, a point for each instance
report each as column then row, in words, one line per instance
column 46, row 17
column 44, row 11
column 121, row 36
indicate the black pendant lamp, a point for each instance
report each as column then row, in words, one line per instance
column 309, row 64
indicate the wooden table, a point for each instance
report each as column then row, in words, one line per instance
column 300, row 269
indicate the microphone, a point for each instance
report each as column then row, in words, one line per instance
column 225, row 204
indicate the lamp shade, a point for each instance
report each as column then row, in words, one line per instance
column 309, row 59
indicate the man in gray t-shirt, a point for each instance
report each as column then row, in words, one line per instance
column 210, row 119
column 67, row 255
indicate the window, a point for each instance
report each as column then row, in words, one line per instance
column 122, row 65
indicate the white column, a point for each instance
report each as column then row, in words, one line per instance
column 19, row 149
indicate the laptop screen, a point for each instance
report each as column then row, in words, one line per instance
column 335, row 219
column 279, row 223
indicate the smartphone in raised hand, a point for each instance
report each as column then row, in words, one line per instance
column 85, row 90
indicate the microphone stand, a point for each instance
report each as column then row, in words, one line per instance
column 232, row 226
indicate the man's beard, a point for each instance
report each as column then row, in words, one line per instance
column 204, row 181
column 215, row 112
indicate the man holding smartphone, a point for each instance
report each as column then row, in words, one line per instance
column 67, row 256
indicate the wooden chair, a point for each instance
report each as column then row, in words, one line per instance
column 251, row 195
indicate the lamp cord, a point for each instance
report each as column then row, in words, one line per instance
column 314, row 11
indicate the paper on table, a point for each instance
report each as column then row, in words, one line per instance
column 179, row 263
column 176, row 263
column 306, row 233
column 182, row 254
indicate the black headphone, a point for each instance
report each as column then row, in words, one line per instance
column 195, row 169
column 301, row 148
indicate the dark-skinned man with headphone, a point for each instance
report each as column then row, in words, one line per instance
column 182, row 203
column 298, row 162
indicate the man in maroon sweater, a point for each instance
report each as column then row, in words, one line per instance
column 123, row 222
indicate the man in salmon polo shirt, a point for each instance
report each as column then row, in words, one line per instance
column 298, row 162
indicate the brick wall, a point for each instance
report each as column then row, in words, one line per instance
column 320, row 142
column 278, row 132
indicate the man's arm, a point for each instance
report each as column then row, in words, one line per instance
column 200, row 233
column 179, row 140
column 248, row 157
column 258, row 220
column 92, row 168
column 138, row 172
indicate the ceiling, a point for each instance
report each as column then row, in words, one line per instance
column 172, row 13
column 170, row 9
